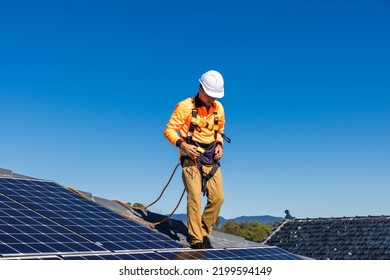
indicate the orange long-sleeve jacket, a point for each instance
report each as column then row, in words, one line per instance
column 179, row 123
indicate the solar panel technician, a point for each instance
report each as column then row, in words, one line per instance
column 196, row 126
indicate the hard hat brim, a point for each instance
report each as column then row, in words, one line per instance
column 210, row 92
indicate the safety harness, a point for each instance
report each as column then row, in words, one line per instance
column 195, row 126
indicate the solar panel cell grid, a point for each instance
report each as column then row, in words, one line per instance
column 23, row 231
column 85, row 217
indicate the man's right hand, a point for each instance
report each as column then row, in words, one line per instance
column 189, row 150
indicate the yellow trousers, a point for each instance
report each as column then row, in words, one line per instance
column 200, row 223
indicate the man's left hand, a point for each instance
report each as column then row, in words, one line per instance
column 218, row 152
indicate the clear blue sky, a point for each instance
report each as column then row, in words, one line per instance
column 87, row 87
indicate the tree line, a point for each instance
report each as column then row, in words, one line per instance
column 252, row 231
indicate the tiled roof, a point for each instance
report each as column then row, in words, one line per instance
column 354, row 238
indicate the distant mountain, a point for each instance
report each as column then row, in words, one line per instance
column 265, row 219
column 180, row 217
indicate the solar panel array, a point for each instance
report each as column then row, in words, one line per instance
column 43, row 220
column 257, row 253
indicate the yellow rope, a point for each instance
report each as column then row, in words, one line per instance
column 155, row 223
column 127, row 206
column 158, row 198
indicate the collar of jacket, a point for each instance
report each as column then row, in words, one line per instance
column 199, row 103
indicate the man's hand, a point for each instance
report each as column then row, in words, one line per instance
column 218, row 152
column 189, row 150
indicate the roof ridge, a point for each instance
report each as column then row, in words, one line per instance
column 344, row 218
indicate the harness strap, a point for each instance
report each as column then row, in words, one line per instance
column 193, row 125
column 227, row 139
column 216, row 121
column 207, row 176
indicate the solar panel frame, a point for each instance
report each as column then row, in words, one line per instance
column 209, row 254
column 128, row 256
column 257, row 253
column 249, row 253
column 45, row 258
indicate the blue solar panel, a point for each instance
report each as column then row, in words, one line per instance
column 94, row 222
column 264, row 253
column 258, row 253
column 23, row 231
column 214, row 254
column 135, row 256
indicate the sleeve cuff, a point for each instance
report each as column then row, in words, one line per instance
column 178, row 143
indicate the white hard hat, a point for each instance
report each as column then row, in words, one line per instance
column 212, row 83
